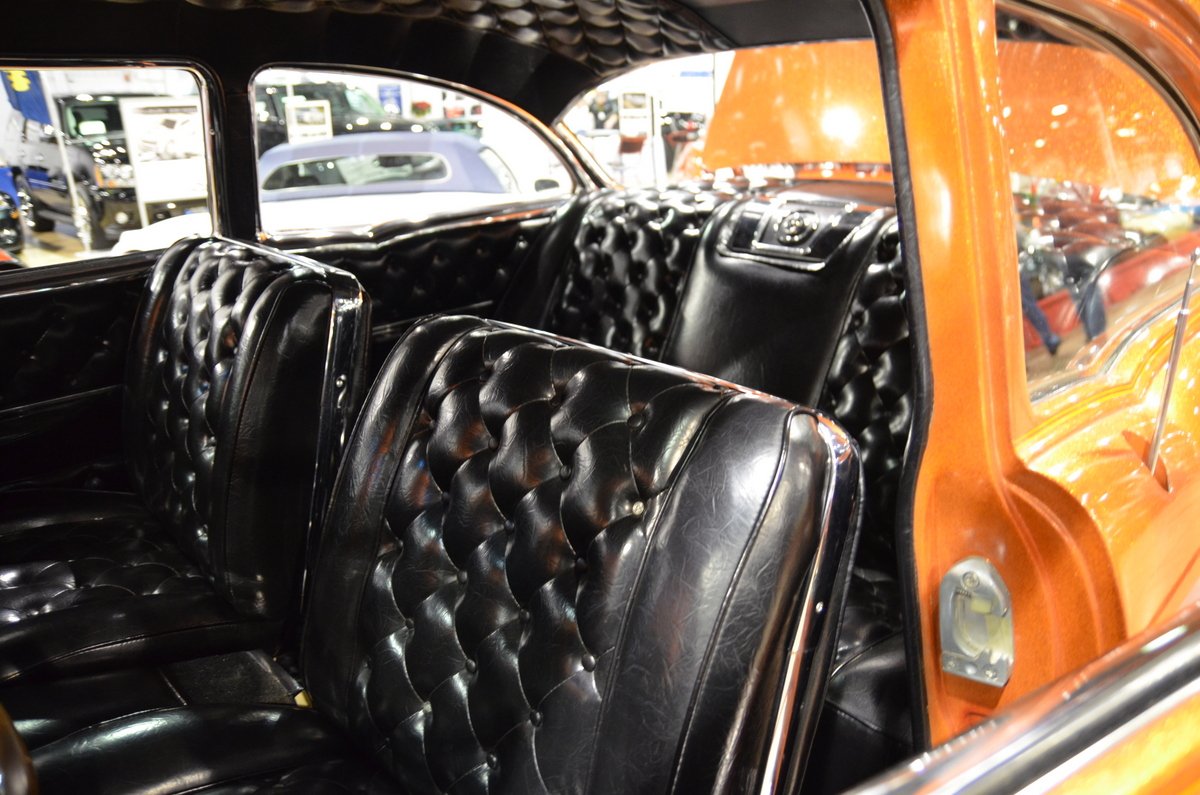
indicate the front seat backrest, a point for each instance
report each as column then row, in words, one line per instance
column 548, row 567
column 243, row 374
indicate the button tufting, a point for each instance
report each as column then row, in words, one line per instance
column 409, row 623
column 471, row 666
column 510, row 526
column 535, row 718
column 638, row 508
column 589, row 662
column 581, row 565
column 524, row 616
column 565, row 471
column 637, row 420
column 462, row 576
column 493, row 761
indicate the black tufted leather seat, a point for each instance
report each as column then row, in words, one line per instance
column 650, row 273
column 241, row 380
column 527, row 585
column 618, row 282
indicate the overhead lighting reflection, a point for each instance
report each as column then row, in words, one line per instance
column 842, row 123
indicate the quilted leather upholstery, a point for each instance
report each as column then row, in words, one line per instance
column 243, row 374
column 229, row 330
column 411, row 275
column 64, row 341
column 622, row 280
column 604, row 37
column 869, row 389
column 489, row 613
column 526, row 586
column 73, row 564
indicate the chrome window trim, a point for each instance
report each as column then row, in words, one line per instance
column 1051, row 734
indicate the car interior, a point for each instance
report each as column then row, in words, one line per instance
column 601, row 493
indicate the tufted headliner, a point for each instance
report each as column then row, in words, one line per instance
column 539, row 54
column 603, row 36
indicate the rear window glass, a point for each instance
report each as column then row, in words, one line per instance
column 360, row 170
column 347, row 152
column 762, row 114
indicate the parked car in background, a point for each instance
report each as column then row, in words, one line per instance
column 352, row 110
column 104, row 201
column 355, row 182
column 12, row 237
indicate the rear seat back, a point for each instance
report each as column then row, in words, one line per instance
column 616, row 281
column 245, row 371
column 657, row 274
column 758, row 316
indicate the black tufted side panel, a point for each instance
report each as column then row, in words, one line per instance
column 65, row 341
column 622, row 281
column 869, row 390
column 866, row 723
column 520, row 569
column 604, row 37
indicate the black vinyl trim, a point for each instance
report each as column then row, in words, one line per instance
column 923, row 395
column 128, row 268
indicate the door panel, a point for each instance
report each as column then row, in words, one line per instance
column 63, row 345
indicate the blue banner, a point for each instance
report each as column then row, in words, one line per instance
column 25, row 94
column 391, row 96
column 6, row 183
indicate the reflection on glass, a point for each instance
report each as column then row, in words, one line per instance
column 1103, row 180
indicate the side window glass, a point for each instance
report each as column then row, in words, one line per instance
column 341, row 151
column 1104, row 184
column 93, row 159
column 759, row 115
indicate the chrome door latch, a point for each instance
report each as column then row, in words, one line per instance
column 975, row 623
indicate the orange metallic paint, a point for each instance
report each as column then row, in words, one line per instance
column 1057, row 497
column 1107, row 131
column 1158, row 757
column 823, row 99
